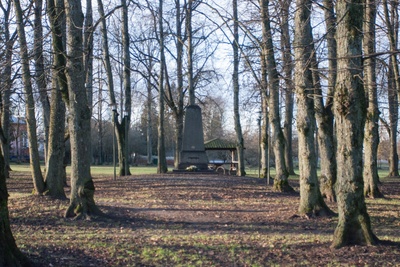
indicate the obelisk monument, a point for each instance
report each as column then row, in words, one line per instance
column 193, row 152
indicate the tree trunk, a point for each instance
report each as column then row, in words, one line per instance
column 41, row 81
column 88, row 61
column 311, row 201
column 289, row 88
column 100, row 125
column 189, row 33
column 393, row 122
column 265, row 145
column 325, row 135
column 106, row 52
column 34, row 159
column 264, row 116
column 107, row 63
column 149, row 132
column 235, row 78
column 125, row 120
column 323, row 111
column 82, row 186
column 162, row 163
column 392, row 25
column 56, row 146
column 10, row 255
column 55, row 169
column 178, row 108
column 122, row 139
column 281, row 182
column 6, row 85
column 371, row 138
column 121, row 128
column 354, row 226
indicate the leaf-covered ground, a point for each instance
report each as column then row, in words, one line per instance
column 194, row 220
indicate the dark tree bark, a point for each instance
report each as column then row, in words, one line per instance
column 178, row 107
column 235, row 78
column 288, row 81
column 88, row 60
column 6, row 85
column 149, row 104
column 107, row 63
column 323, row 108
column 189, row 32
column 55, row 170
column 162, row 163
column 281, row 182
column 82, row 202
column 311, row 201
column 56, row 145
column 393, row 124
column 38, row 181
column 123, row 128
column 392, row 25
column 10, row 255
column 265, row 146
column 354, row 226
column 371, row 138
column 41, row 80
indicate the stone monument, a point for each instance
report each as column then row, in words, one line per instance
column 193, row 152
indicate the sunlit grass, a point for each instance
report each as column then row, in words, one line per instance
column 95, row 170
column 108, row 170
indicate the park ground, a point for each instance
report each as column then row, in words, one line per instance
column 194, row 220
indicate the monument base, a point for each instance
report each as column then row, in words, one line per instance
column 193, row 158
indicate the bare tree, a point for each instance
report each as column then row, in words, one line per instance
column 123, row 128
column 82, row 202
column 287, row 69
column 189, row 32
column 6, row 82
column 235, row 78
column 277, row 138
column 371, row 137
column 392, row 126
column 162, row 164
column 149, row 132
column 88, row 58
column 37, row 176
column 392, row 26
column 354, row 226
column 323, row 108
column 41, row 80
column 311, row 201
column 56, row 145
column 177, row 108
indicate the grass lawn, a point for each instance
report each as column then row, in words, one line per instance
column 135, row 170
column 95, row 170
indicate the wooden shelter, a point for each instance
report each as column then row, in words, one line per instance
column 222, row 166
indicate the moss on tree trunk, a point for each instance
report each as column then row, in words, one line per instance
column 354, row 227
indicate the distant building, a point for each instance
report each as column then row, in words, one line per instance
column 19, row 146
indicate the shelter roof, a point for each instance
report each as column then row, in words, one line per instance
column 219, row 144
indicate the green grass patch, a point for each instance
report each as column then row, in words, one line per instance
column 95, row 170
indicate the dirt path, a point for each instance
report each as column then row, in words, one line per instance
column 193, row 220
